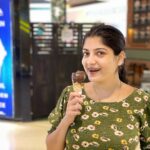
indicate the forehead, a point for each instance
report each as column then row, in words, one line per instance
column 94, row 39
column 94, row 42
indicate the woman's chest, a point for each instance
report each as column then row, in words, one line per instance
column 104, row 127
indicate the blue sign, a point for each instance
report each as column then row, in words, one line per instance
column 6, row 61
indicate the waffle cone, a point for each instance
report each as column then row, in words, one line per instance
column 77, row 87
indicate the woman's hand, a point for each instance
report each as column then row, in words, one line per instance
column 56, row 139
column 74, row 107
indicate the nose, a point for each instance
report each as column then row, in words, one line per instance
column 91, row 60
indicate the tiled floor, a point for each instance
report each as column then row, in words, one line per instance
column 23, row 135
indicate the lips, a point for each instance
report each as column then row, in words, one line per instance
column 94, row 69
column 92, row 73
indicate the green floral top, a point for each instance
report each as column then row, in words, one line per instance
column 123, row 125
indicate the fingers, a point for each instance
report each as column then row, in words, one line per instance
column 74, row 105
column 75, row 97
column 75, row 101
column 78, row 106
column 75, row 113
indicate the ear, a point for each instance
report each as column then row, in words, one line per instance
column 121, row 58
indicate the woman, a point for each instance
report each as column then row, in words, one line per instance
column 110, row 114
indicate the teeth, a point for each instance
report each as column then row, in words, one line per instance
column 93, row 69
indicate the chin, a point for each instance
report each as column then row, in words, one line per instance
column 95, row 79
column 92, row 79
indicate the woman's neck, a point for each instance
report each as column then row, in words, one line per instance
column 107, row 89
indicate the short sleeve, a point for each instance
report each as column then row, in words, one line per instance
column 145, row 125
column 59, row 111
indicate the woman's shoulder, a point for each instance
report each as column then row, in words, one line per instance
column 142, row 94
column 68, row 88
column 134, row 91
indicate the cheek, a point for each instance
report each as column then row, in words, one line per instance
column 83, row 62
column 112, row 61
column 112, row 65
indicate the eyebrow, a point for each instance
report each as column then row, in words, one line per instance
column 85, row 49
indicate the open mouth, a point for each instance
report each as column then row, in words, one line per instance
column 93, row 70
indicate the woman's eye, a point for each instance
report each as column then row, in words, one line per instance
column 85, row 53
column 100, row 53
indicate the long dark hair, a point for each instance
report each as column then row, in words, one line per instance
column 113, row 38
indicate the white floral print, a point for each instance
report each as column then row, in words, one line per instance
column 75, row 146
column 137, row 99
column 101, row 123
column 84, row 117
column 85, row 144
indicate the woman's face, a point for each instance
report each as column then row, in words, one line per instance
column 99, row 61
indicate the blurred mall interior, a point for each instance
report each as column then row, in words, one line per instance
column 40, row 46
